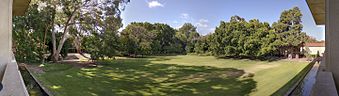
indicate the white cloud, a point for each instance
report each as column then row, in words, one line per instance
column 154, row 4
column 212, row 29
column 184, row 16
column 202, row 23
column 178, row 27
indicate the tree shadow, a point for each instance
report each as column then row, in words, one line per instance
column 141, row 77
column 269, row 58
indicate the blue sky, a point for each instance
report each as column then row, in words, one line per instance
column 207, row 14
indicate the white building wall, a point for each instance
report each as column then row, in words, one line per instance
column 314, row 50
column 10, row 77
column 332, row 38
column 5, row 33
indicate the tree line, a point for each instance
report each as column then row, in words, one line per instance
column 235, row 38
column 52, row 27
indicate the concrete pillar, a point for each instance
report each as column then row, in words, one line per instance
column 5, row 34
column 332, row 38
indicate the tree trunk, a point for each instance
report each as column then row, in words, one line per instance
column 64, row 37
column 44, row 45
column 290, row 56
column 77, row 44
column 53, row 36
column 54, row 58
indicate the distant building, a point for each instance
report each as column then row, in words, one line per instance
column 314, row 48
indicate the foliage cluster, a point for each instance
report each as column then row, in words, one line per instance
column 52, row 27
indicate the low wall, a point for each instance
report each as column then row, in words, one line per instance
column 13, row 84
column 325, row 85
column 293, row 87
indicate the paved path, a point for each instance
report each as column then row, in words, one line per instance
column 79, row 57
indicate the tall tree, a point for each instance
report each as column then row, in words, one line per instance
column 165, row 37
column 137, row 39
column 239, row 38
column 188, row 36
column 30, row 32
column 106, row 18
column 203, row 45
column 289, row 28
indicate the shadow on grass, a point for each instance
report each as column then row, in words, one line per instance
column 141, row 77
column 150, row 56
column 269, row 59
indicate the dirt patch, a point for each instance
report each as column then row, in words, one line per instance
column 33, row 68
column 40, row 70
column 71, row 57
column 297, row 60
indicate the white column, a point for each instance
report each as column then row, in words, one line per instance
column 332, row 38
column 5, row 33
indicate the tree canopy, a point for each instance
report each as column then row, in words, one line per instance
column 93, row 27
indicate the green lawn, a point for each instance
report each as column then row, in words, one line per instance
column 170, row 75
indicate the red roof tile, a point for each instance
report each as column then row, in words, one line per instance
column 315, row 44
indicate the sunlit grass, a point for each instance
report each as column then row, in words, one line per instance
column 170, row 75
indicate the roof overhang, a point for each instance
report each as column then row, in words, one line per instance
column 317, row 8
column 20, row 7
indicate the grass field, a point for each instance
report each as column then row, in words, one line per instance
column 170, row 75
